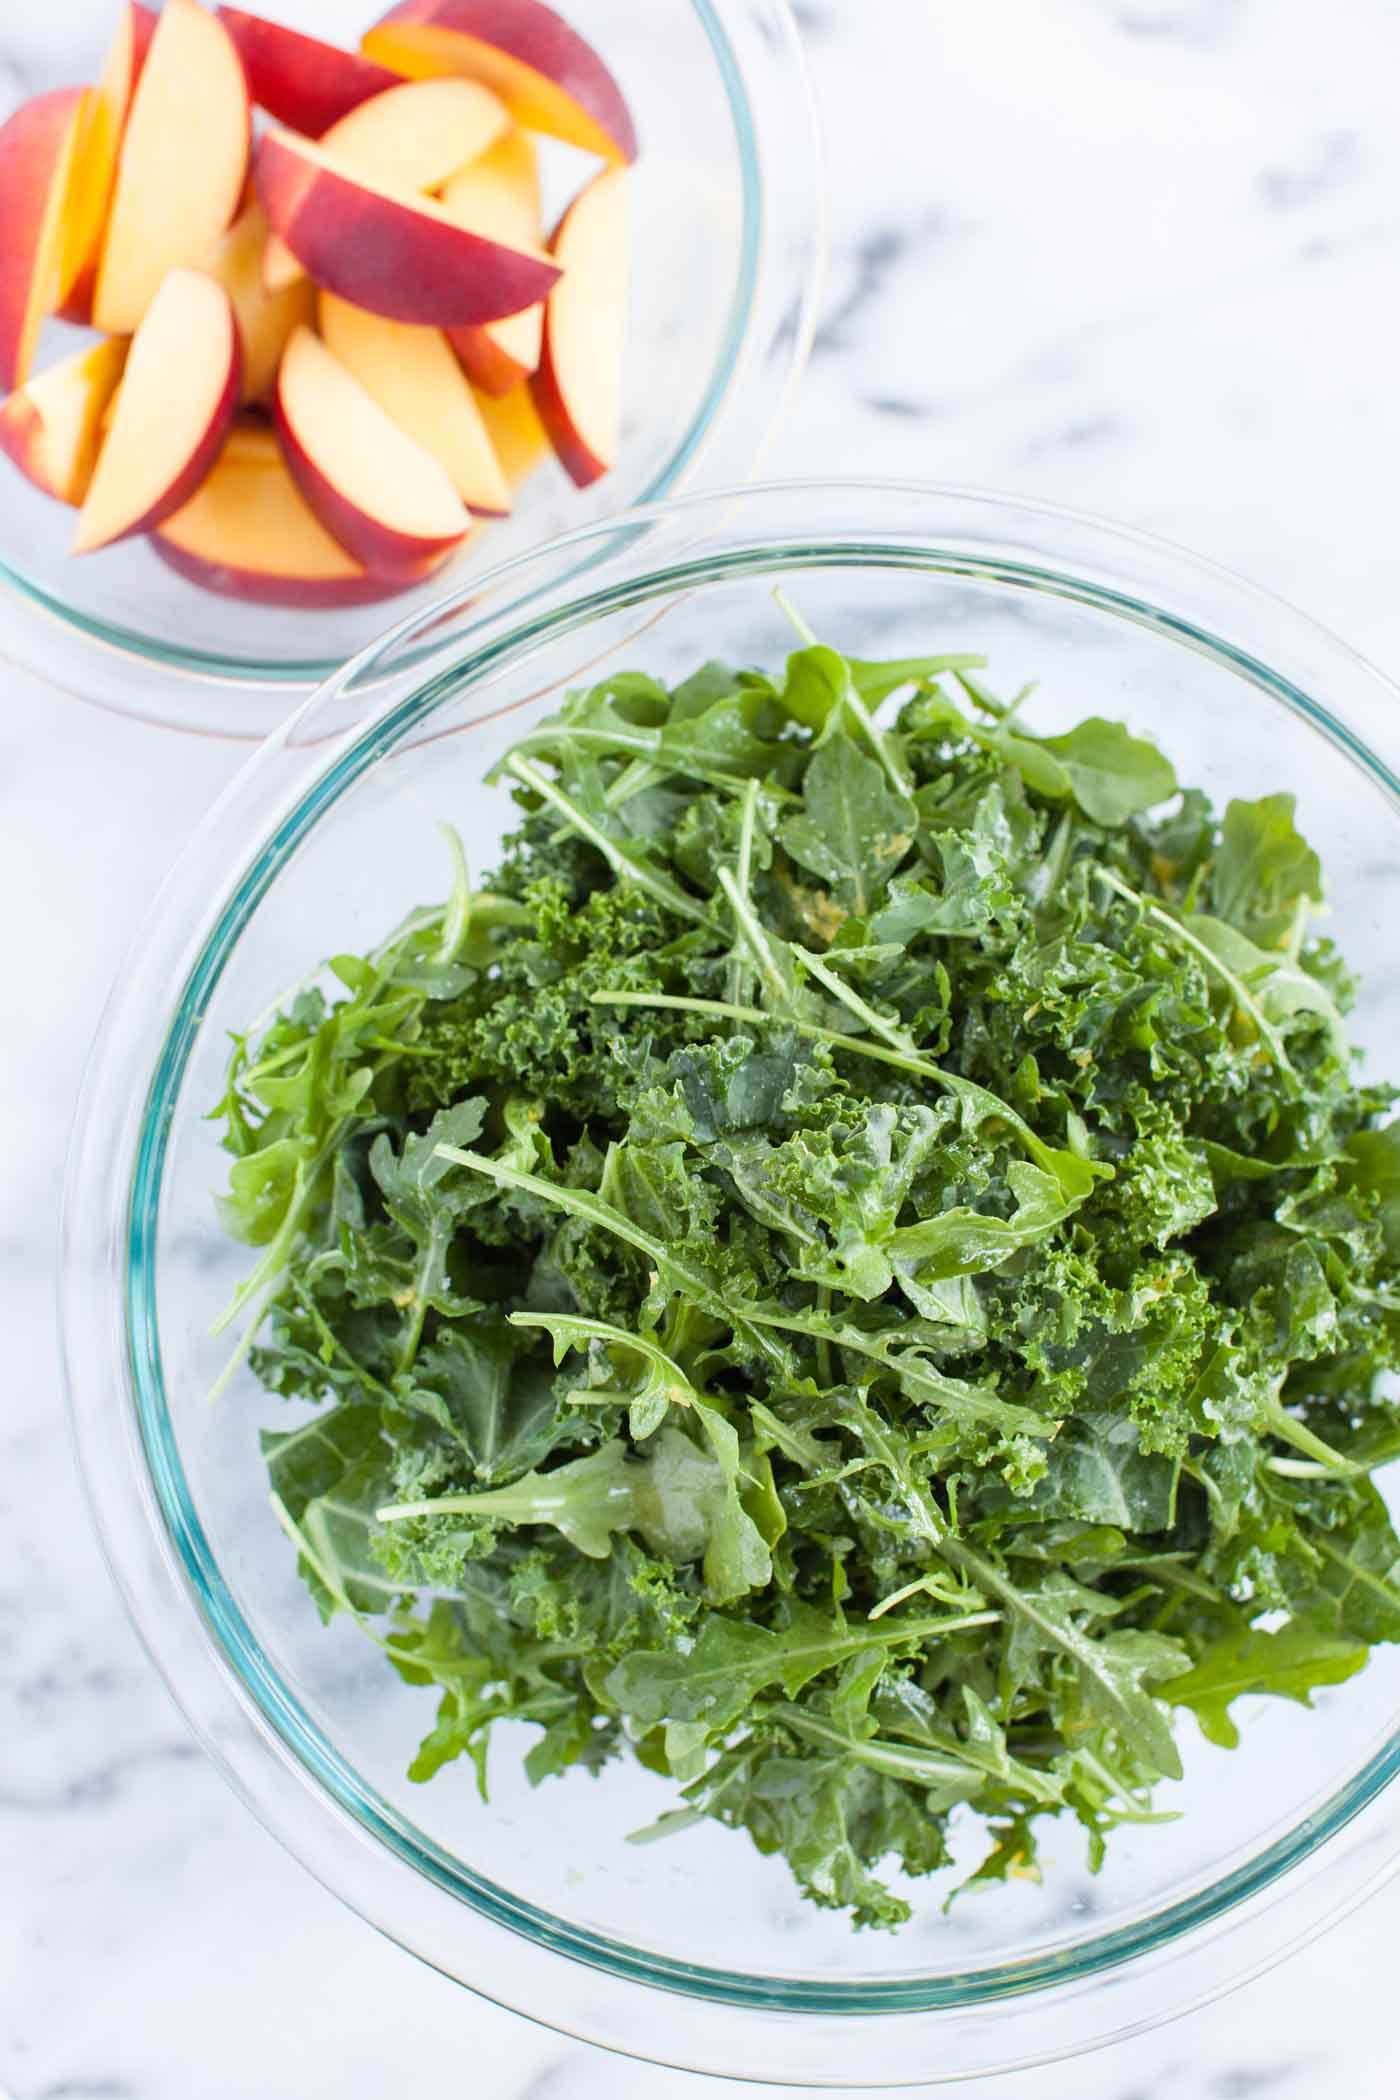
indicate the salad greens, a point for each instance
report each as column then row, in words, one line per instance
column 857, row 1269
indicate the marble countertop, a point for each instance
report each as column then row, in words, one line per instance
column 1139, row 256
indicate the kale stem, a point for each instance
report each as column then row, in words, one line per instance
column 1278, row 1421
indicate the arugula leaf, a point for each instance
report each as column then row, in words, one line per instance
column 1112, row 774
column 853, row 832
column 482, row 1385
column 305, row 1463
column 734, row 1660
column 1291, row 1662
column 1263, row 869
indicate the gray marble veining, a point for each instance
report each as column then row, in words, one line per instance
column 1135, row 255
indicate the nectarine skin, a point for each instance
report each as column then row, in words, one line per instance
column 266, row 587
column 486, row 363
column 297, row 79
column 37, row 146
column 386, row 553
column 402, row 258
column 504, row 43
column 249, row 533
column 579, row 461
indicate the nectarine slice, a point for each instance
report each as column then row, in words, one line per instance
column 517, row 435
column 265, row 319
column 419, row 384
column 552, row 80
column 97, row 159
column 252, row 442
column 498, row 194
column 578, row 387
column 303, row 83
column 182, row 165
column 388, row 502
column 411, row 138
column 38, row 160
column 177, row 399
column 248, row 532
column 395, row 254
column 52, row 427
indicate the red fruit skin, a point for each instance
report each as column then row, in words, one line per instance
column 537, row 37
column 30, row 143
column 261, row 587
column 389, row 259
column 297, row 79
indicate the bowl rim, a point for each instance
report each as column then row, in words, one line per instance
column 119, row 1158
column 761, row 63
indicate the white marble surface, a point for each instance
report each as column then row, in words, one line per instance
column 1136, row 255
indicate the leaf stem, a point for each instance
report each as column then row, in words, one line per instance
column 897, row 1038
column 456, row 918
column 754, row 939
column 1238, row 990
column 903, row 1060
column 582, row 1203
column 670, row 894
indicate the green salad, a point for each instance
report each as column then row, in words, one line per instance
column 857, row 1268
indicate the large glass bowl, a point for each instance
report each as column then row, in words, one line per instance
column 695, row 1951
column 728, row 207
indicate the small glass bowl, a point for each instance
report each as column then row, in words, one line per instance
column 729, row 233
column 695, row 1951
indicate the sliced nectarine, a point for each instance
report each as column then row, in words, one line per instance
column 303, row 83
column 52, row 427
column 38, row 160
column 392, row 253
column 177, row 399
column 552, row 80
column 182, row 166
column 498, row 194
column 265, row 319
column 419, row 384
column 388, row 502
column 253, row 443
column 517, row 435
column 411, row 138
column 578, row 387
column 97, row 159
column 248, row 532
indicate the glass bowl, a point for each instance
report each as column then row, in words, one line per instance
column 697, row 1951
column 728, row 218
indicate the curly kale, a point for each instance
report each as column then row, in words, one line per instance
column 858, row 1270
